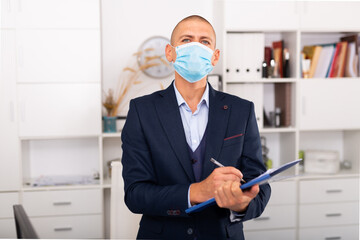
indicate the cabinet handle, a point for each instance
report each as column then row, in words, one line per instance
column 262, row 219
column 61, row 203
column 333, row 215
column 332, row 238
column 334, row 191
column 60, row 229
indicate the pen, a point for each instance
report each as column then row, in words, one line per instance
column 220, row 165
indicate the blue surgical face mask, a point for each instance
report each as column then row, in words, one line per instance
column 193, row 61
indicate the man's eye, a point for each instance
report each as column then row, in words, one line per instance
column 186, row 40
column 205, row 42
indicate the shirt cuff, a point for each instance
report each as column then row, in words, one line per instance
column 189, row 204
column 235, row 216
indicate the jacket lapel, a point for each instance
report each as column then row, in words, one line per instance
column 169, row 115
column 219, row 113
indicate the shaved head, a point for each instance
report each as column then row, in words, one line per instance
column 188, row 19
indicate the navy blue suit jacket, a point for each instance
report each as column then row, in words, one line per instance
column 157, row 168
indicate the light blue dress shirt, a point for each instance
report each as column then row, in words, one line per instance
column 195, row 126
column 194, row 123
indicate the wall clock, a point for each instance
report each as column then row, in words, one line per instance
column 152, row 60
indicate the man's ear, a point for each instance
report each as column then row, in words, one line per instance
column 170, row 53
column 215, row 57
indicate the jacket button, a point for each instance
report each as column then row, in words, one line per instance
column 190, row 231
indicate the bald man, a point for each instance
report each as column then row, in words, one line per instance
column 171, row 135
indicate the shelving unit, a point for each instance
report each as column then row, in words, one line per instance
column 323, row 116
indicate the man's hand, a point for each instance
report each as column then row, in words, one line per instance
column 204, row 190
column 230, row 196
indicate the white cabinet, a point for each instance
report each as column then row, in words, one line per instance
column 7, row 13
column 284, row 234
column 58, row 55
column 7, row 223
column 59, row 109
column 9, row 145
column 7, row 228
column 62, row 202
column 330, row 15
column 58, row 14
column 329, row 190
column 329, row 208
column 73, row 227
column 330, row 233
column 252, row 92
column 261, row 15
column 329, row 104
column 7, row 200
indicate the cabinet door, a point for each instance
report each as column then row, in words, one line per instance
column 9, row 143
column 59, row 109
column 58, row 14
column 261, row 15
column 7, row 13
column 58, row 55
column 252, row 92
column 7, row 228
column 330, row 15
column 350, row 232
column 329, row 104
column 64, row 227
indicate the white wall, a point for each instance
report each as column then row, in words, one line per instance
column 127, row 23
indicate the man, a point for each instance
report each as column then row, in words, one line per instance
column 169, row 138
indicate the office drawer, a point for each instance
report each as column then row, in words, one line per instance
column 7, row 228
column 286, row 234
column 50, row 203
column 283, row 193
column 76, row 227
column 274, row 217
column 7, row 200
column 330, row 190
column 330, row 214
column 330, row 233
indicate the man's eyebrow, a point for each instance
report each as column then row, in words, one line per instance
column 186, row 35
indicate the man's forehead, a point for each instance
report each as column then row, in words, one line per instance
column 194, row 27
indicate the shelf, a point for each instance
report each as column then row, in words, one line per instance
column 69, row 187
column 106, row 183
column 340, row 174
column 278, row 130
column 111, row 135
column 57, row 137
column 265, row 80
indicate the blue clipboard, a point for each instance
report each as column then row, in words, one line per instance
column 261, row 179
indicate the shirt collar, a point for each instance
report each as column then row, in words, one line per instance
column 204, row 98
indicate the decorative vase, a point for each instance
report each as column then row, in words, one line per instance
column 109, row 124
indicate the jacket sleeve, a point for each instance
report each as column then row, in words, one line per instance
column 142, row 193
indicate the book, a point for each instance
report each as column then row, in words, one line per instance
column 261, row 179
column 314, row 60
column 283, row 101
column 278, row 50
column 324, row 61
column 338, row 64
column 352, row 56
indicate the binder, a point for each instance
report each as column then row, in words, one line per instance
column 245, row 56
column 261, row 179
